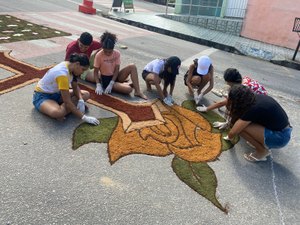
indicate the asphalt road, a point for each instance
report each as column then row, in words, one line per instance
column 44, row 182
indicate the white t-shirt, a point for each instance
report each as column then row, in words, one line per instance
column 155, row 66
column 56, row 79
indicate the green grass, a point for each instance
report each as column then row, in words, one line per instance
column 13, row 29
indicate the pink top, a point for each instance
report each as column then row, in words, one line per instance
column 107, row 64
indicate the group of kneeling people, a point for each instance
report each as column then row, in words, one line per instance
column 251, row 113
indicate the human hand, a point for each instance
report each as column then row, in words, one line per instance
column 109, row 87
column 81, row 105
column 201, row 108
column 90, row 119
column 220, row 125
column 167, row 102
column 99, row 89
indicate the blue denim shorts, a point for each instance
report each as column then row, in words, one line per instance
column 277, row 139
column 39, row 98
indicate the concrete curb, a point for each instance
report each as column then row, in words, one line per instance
column 176, row 34
column 220, row 46
column 286, row 63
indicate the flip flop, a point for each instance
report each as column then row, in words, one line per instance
column 251, row 158
column 248, row 143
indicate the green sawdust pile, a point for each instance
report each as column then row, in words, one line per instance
column 87, row 133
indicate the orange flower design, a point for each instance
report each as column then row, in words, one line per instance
column 184, row 133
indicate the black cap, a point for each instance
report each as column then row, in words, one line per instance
column 174, row 62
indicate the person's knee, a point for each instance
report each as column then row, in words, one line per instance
column 56, row 113
column 132, row 67
column 127, row 90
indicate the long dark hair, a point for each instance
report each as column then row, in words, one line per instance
column 232, row 75
column 240, row 99
column 108, row 40
column 169, row 78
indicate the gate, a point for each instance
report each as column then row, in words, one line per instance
column 236, row 8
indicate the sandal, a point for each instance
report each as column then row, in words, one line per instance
column 251, row 158
column 250, row 145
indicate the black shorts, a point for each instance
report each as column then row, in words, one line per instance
column 105, row 80
column 145, row 74
column 186, row 75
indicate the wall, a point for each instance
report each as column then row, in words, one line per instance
column 199, row 7
column 230, row 26
column 272, row 21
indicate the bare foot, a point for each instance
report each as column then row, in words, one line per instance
column 141, row 95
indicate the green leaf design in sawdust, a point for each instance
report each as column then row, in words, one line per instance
column 86, row 133
column 211, row 117
column 200, row 177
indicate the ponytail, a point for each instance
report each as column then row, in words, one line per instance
column 108, row 40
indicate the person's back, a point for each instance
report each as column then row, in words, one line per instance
column 259, row 119
column 254, row 85
column 54, row 78
column 155, row 66
column 267, row 112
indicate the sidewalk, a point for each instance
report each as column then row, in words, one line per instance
column 157, row 23
column 45, row 181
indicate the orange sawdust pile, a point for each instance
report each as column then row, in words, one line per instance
column 185, row 133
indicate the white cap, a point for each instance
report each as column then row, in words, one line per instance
column 204, row 63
